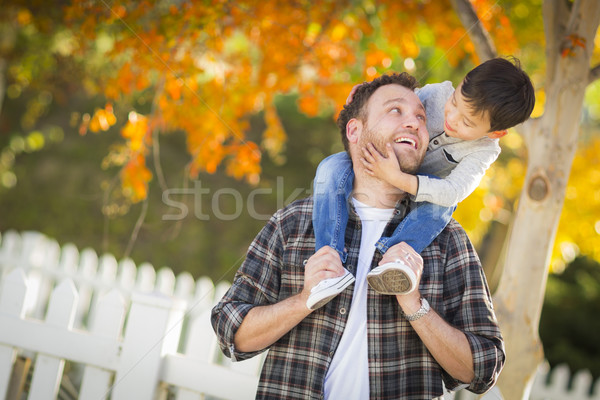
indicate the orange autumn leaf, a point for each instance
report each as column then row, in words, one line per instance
column 245, row 163
column 135, row 177
column 102, row 119
column 173, row 88
column 136, row 131
column 375, row 57
column 274, row 136
column 309, row 105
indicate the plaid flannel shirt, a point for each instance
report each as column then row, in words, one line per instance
column 400, row 366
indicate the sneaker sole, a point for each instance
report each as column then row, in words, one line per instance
column 391, row 282
column 316, row 301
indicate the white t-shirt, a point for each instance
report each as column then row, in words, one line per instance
column 348, row 374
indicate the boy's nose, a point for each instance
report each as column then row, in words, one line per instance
column 451, row 117
column 449, row 111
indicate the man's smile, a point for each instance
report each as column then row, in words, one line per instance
column 407, row 140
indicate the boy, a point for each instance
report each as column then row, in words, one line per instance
column 493, row 97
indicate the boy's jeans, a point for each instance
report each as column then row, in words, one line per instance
column 332, row 189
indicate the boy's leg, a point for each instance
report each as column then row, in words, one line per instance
column 332, row 187
column 418, row 229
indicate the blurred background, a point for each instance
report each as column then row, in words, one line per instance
column 169, row 131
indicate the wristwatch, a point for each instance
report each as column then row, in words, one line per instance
column 421, row 312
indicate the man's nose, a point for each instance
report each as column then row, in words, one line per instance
column 411, row 121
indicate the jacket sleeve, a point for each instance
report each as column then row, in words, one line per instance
column 255, row 283
column 460, row 183
column 469, row 308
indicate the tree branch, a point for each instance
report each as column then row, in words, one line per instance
column 594, row 74
column 484, row 46
column 555, row 14
column 3, row 64
column 136, row 228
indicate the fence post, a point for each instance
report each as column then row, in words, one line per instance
column 48, row 370
column 12, row 302
column 107, row 322
column 153, row 329
column 146, row 278
column 84, row 278
column 47, row 276
column 9, row 247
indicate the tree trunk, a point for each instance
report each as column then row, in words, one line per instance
column 551, row 142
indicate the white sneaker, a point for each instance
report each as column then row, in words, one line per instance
column 327, row 289
column 392, row 278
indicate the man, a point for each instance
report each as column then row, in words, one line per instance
column 363, row 344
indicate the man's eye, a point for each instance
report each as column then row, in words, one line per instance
column 422, row 118
column 395, row 109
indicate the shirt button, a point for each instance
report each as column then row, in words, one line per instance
column 436, row 142
column 304, row 262
column 331, row 354
column 342, row 311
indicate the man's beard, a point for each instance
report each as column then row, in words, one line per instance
column 408, row 165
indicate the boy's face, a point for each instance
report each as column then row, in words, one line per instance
column 461, row 121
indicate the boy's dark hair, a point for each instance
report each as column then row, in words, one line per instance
column 357, row 109
column 500, row 89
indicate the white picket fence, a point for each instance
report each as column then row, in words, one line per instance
column 126, row 332
column 75, row 325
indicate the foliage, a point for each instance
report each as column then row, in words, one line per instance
column 201, row 226
column 579, row 227
column 566, row 329
column 205, row 66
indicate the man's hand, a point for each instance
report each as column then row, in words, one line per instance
column 264, row 325
column 324, row 264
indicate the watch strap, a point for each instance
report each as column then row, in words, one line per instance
column 420, row 312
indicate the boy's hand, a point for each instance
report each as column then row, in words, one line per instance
column 351, row 95
column 382, row 166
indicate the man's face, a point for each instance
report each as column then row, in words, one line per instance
column 395, row 115
column 461, row 121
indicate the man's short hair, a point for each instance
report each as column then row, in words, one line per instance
column 501, row 90
column 357, row 107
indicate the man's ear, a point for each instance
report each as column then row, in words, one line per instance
column 497, row 134
column 353, row 130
